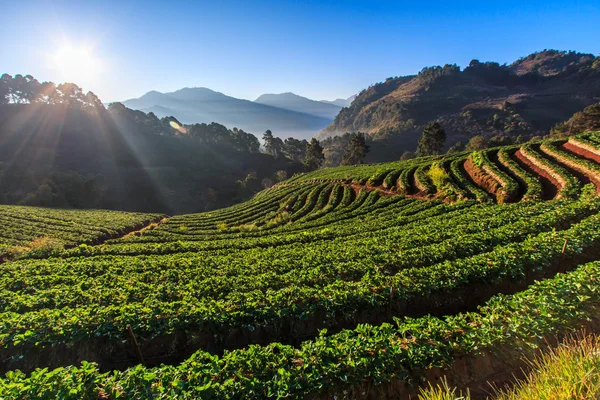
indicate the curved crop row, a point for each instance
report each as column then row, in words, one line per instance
column 456, row 167
column 584, row 166
column 569, row 185
column 423, row 183
column 334, row 300
column 531, row 183
column 403, row 185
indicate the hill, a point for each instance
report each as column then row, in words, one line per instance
column 524, row 98
column 355, row 282
column 202, row 105
column 293, row 102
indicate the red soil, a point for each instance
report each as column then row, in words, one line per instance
column 481, row 178
column 581, row 152
column 550, row 186
column 586, row 155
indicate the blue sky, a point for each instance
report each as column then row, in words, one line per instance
column 321, row 50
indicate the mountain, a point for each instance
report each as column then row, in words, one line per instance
column 293, row 102
column 341, row 102
column 202, row 105
column 524, row 98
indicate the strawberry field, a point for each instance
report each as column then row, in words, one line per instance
column 361, row 281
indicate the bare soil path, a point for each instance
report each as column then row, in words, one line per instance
column 550, row 187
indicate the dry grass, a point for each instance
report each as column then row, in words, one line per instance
column 569, row 371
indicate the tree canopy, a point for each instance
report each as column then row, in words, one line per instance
column 432, row 140
column 356, row 150
column 314, row 155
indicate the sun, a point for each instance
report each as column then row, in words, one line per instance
column 76, row 64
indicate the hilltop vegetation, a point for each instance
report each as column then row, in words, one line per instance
column 63, row 148
column 526, row 98
column 359, row 281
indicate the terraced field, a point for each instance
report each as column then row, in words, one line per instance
column 355, row 282
column 23, row 229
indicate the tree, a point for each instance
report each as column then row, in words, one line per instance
column 432, row 140
column 582, row 121
column 458, row 146
column 477, row 143
column 357, row 149
column 295, row 149
column 5, row 81
column 280, row 175
column 314, row 156
column 71, row 95
column 407, row 155
column 273, row 145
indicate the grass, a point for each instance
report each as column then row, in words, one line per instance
column 569, row 371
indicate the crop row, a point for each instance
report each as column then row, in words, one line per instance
column 532, row 184
column 22, row 226
column 334, row 364
column 582, row 165
column 569, row 185
column 267, row 300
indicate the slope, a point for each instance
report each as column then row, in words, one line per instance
column 321, row 286
column 526, row 98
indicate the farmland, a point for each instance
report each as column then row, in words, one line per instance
column 28, row 228
column 359, row 281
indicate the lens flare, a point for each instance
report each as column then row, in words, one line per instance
column 76, row 64
column 178, row 127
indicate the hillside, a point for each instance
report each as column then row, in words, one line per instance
column 293, row 102
column 524, row 98
column 202, row 105
column 355, row 282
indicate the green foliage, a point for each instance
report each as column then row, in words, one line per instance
column 432, row 140
column 476, row 143
column 314, row 155
column 587, row 120
column 302, row 267
column 356, row 150
column 40, row 232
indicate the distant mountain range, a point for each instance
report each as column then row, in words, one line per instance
column 285, row 114
column 341, row 102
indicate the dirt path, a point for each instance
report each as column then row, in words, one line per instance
column 389, row 193
column 581, row 175
column 581, row 152
column 151, row 225
column 574, row 148
column 585, row 155
column 480, row 178
column 550, row 187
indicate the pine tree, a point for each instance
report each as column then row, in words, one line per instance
column 432, row 140
column 314, row 156
column 273, row 145
column 357, row 149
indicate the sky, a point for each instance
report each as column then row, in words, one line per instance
column 318, row 49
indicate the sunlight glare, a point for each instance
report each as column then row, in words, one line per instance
column 76, row 64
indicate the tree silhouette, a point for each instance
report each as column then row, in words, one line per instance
column 314, row 155
column 357, row 149
column 432, row 140
column 295, row 149
column 273, row 145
